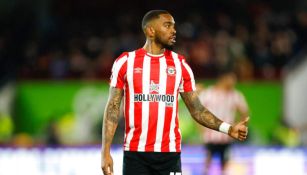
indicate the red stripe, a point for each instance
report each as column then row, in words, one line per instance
column 153, row 106
column 137, row 86
column 115, row 62
column 170, row 85
column 177, row 134
column 187, row 83
column 120, row 82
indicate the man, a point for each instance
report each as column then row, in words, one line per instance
column 149, row 79
column 225, row 101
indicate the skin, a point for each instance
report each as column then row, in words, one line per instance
column 110, row 122
column 160, row 34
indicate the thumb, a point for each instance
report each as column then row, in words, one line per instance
column 109, row 170
column 245, row 121
column 111, row 167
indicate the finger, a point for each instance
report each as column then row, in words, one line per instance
column 109, row 170
column 245, row 121
column 242, row 134
column 111, row 167
column 106, row 170
column 242, row 131
column 242, row 138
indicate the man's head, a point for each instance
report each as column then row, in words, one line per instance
column 159, row 26
column 227, row 79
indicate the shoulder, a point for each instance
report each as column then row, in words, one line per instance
column 238, row 94
column 174, row 55
column 180, row 56
column 122, row 56
column 125, row 55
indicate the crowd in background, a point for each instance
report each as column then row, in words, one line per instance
column 57, row 40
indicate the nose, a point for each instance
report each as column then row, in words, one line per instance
column 174, row 30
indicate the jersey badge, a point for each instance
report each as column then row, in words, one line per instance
column 171, row 71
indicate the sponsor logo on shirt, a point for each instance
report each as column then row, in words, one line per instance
column 138, row 70
column 168, row 99
column 153, row 87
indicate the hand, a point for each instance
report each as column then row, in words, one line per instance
column 107, row 164
column 239, row 131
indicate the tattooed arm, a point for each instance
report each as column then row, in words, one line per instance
column 201, row 114
column 204, row 117
column 110, row 122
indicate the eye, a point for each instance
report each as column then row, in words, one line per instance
column 167, row 25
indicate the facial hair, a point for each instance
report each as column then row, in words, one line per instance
column 164, row 44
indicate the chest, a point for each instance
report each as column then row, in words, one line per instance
column 153, row 74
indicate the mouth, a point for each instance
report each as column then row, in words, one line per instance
column 173, row 39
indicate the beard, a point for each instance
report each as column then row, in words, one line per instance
column 164, row 44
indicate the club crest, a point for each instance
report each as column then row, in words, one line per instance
column 171, row 71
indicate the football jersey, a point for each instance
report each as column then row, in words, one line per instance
column 151, row 84
column 224, row 105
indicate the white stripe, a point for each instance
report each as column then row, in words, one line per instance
column 172, row 145
column 161, row 109
column 130, row 64
column 145, row 104
column 115, row 70
column 190, row 73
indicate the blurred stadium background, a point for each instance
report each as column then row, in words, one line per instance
column 55, row 61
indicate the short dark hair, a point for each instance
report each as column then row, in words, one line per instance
column 152, row 14
column 226, row 71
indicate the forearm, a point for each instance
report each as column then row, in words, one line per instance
column 204, row 117
column 199, row 113
column 110, row 121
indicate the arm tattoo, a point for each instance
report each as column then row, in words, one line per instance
column 201, row 114
column 111, row 117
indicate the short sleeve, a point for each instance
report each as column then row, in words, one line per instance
column 188, row 81
column 119, row 70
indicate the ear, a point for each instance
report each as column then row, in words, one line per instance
column 150, row 31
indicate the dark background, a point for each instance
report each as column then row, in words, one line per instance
column 77, row 39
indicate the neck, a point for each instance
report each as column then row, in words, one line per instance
column 153, row 47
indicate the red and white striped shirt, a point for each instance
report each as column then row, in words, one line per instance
column 224, row 105
column 151, row 84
